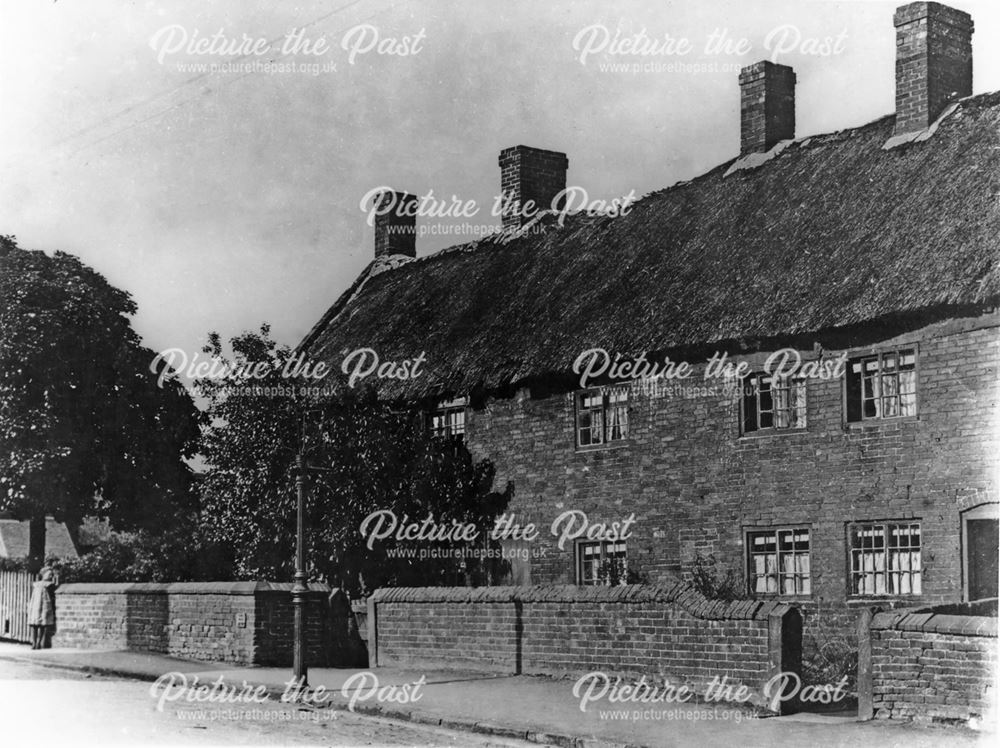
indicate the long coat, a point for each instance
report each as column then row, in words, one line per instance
column 42, row 606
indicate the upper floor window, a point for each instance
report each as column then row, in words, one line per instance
column 601, row 415
column 448, row 418
column 882, row 385
column 778, row 561
column 601, row 562
column 885, row 558
column 773, row 403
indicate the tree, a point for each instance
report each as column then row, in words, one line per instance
column 365, row 456
column 84, row 427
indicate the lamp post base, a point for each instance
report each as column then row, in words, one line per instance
column 299, row 667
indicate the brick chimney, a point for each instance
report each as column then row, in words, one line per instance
column 933, row 62
column 767, row 106
column 530, row 179
column 395, row 224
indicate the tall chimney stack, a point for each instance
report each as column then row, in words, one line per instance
column 395, row 224
column 933, row 62
column 530, row 179
column 767, row 106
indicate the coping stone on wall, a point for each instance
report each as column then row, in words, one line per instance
column 678, row 593
column 935, row 623
column 182, row 588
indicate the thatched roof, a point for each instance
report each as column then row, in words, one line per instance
column 832, row 233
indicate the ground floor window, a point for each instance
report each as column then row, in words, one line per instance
column 885, row 558
column 779, row 561
column 601, row 562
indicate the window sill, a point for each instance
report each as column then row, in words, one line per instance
column 769, row 433
column 607, row 446
column 876, row 422
column 884, row 599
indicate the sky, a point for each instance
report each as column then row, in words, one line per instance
column 171, row 146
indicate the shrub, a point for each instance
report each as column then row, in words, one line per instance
column 177, row 556
column 13, row 564
column 831, row 660
column 615, row 572
column 714, row 584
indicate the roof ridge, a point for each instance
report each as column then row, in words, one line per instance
column 505, row 236
column 831, row 236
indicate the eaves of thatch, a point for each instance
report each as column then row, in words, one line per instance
column 834, row 233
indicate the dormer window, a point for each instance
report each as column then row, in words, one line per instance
column 447, row 419
column 601, row 416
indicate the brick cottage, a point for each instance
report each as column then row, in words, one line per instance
column 873, row 253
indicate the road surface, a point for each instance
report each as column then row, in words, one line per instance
column 46, row 706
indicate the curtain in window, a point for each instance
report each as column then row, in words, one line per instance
column 781, row 398
column 905, row 572
column 765, row 573
column 616, row 422
column 795, row 574
column 596, row 427
column 907, row 393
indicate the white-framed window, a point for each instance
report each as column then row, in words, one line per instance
column 882, row 385
column 601, row 415
column 773, row 403
column 601, row 562
column 447, row 420
column 885, row 558
column 778, row 561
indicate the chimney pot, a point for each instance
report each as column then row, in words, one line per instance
column 395, row 224
column 530, row 179
column 767, row 106
column 933, row 62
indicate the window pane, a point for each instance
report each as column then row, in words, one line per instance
column 617, row 414
column 854, row 392
column 589, row 423
column 779, row 561
column 750, row 404
column 882, row 386
column 885, row 559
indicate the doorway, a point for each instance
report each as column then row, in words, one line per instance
column 980, row 535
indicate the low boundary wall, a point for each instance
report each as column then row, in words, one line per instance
column 250, row 623
column 927, row 665
column 659, row 631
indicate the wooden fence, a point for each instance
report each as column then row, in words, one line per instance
column 15, row 591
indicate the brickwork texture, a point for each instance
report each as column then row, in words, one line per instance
column 249, row 623
column 933, row 667
column 666, row 631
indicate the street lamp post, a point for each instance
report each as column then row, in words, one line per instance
column 300, row 588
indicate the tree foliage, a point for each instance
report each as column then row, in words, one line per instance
column 178, row 553
column 362, row 456
column 84, row 428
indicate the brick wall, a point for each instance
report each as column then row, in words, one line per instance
column 239, row 622
column 665, row 631
column 696, row 485
column 96, row 620
column 929, row 666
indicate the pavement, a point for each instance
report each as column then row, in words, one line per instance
column 537, row 709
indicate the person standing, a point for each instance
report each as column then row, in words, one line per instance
column 42, row 609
